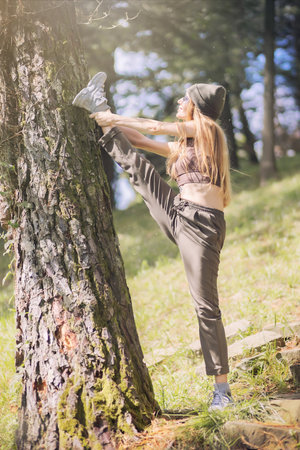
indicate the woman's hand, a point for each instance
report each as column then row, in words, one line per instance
column 104, row 119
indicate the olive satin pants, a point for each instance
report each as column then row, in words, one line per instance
column 199, row 233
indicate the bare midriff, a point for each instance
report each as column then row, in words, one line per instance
column 203, row 194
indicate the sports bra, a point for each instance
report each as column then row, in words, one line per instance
column 187, row 170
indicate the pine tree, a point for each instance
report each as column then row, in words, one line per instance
column 77, row 346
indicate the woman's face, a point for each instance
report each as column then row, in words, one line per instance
column 182, row 111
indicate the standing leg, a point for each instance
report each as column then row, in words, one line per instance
column 200, row 238
column 201, row 266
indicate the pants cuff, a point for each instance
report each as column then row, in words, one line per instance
column 109, row 136
column 223, row 371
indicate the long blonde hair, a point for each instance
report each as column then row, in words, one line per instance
column 210, row 148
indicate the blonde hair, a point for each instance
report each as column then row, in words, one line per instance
column 210, row 148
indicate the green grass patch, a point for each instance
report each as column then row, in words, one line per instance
column 205, row 429
column 9, row 382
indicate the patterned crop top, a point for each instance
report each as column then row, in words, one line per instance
column 189, row 172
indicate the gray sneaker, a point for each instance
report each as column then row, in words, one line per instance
column 220, row 401
column 92, row 98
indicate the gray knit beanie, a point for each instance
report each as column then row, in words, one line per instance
column 209, row 98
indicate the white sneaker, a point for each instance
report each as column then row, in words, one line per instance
column 220, row 401
column 92, row 98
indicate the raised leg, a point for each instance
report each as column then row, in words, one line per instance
column 143, row 176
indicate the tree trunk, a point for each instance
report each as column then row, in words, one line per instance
column 296, row 34
column 250, row 140
column 111, row 175
column 77, row 345
column 227, row 125
column 267, row 164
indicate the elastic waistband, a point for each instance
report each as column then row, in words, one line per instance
column 181, row 203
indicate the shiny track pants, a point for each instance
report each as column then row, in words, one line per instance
column 199, row 233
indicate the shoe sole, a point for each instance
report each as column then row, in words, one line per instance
column 80, row 100
column 97, row 79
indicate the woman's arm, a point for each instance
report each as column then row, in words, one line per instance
column 148, row 126
column 138, row 140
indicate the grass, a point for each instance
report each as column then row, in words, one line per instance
column 258, row 281
column 9, row 383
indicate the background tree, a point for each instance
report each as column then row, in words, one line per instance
column 268, row 166
column 288, row 39
column 77, row 345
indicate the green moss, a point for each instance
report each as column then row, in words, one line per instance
column 50, row 141
column 71, row 417
column 68, row 203
column 109, row 400
column 77, row 419
column 92, row 190
column 95, row 444
column 124, row 426
column 50, row 70
column 107, row 397
column 65, row 95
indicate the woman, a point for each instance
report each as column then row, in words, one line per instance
column 193, row 219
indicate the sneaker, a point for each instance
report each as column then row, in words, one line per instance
column 220, row 401
column 92, row 98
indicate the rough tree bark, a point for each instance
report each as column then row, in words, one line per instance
column 267, row 163
column 77, row 345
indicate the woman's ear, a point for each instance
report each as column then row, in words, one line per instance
column 190, row 110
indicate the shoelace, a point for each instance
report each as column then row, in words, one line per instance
column 219, row 398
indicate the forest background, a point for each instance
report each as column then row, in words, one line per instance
column 152, row 52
